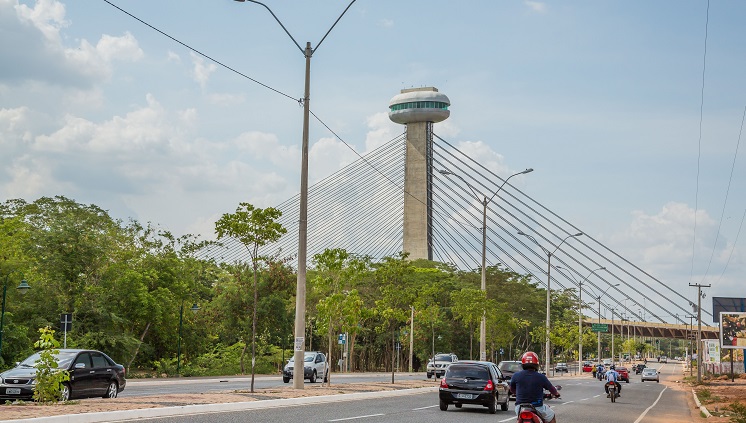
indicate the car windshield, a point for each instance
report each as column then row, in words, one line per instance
column 649, row 371
column 443, row 357
column 468, row 372
column 307, row 358
column 511, row 366
column 63, row 359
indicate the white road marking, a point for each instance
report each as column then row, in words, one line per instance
column 357, row 417
column 567, row 402
column 639, row 419
column 422, row 408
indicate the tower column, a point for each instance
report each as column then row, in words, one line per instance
column 417, row 180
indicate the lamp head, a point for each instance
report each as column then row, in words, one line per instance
column 23, row 287
column 521, row 233
column 529, row 170
column 578, row 234
column 445, row 172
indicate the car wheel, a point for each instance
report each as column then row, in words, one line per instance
column 313, row 377
column 443, row 406
column 627, row 381
column 429, row 375
column 492, row 406
column 457, row 405
column 657, row 381
column 111, row 391
column 285, row 379
column 326, row 376
column 65, row 392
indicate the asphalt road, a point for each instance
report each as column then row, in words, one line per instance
column 583, row 401
column 152, row 387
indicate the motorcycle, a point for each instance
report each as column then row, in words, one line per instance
column 527, row 412
column 613, row 392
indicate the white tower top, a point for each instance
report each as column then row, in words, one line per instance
column 419, row 105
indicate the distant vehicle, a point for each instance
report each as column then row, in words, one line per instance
column 650, row 373
column 623, row 374
column 508, row 368
column 587, row 366
column 438, row 365
column 314, row 367
column 92, row 374
column 639, row 368
column 607, row 362
column 664, row 359
column 474, row 382
column 560, row 367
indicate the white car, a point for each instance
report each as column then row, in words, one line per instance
column 314, row 367
column 650, row 373
column 438, row 365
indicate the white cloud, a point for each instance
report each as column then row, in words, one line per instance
column 48, row 16
column 202, row 70
column 536, row 6
column 486, row 156
column 119, row 48
column 173, row 57
column 380, row 131
column 328, row 155
column 386, row 23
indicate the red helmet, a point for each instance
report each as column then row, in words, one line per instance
column 529, row 360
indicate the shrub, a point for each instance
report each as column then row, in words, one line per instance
column 49, row 379
column 739, row 412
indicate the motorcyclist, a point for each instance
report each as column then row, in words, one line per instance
column 600, row 371
column 613, row 376
column 528, row 385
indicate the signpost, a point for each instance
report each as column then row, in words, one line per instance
column 66, row 325
column 599, row 327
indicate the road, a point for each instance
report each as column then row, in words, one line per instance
column 583, row 401
column 152, row 387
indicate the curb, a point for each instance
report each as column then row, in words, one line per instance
column 148, row 413
column 701, row 407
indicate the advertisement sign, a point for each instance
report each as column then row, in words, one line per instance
column 732, row 330
column 711, row 351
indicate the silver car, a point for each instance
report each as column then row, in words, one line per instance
column 650, row 373
column 438, row 365
column 314, row 367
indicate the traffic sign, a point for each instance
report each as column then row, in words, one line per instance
column 599, row 327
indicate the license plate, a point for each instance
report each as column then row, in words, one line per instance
column 12, row 391
column 463, row 396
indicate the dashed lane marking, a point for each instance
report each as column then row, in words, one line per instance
column 357, row 417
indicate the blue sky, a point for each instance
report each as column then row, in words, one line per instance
column 602, row 99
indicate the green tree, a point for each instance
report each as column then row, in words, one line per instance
column 254, row 228
column 469, row 305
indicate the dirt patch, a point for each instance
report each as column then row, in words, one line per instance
column 93, row 405
column 717, row 394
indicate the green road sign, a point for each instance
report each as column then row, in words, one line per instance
column 599, row 327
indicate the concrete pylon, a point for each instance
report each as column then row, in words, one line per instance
column 418, row 108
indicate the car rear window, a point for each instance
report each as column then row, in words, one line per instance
column 468, row 372
column 514, row 367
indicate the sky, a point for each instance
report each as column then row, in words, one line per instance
column 629, row 112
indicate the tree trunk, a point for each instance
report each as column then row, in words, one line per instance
column 393, row 352
column 253, row 331
column 329, row 357
column 144, row 332
column 350, row 354
column 243, row 353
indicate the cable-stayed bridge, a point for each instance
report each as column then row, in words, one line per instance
column 360, row 208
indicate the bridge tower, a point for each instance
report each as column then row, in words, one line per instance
column 418, row 109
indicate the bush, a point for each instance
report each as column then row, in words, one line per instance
column 49, row 379
column 739, row 412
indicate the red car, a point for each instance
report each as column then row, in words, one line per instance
column 587, row 366
column 623, row 374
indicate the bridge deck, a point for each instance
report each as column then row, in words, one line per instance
column 657, row 330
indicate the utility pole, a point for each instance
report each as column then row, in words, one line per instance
column 691, row 350
column 699, row 329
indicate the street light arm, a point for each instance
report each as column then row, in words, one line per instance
column 477, row 195
column 535, row 242
column 278, row 21
column 529, row 170
column 565, row 239
column 332, row 27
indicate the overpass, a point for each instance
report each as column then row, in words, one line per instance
column 655, row 330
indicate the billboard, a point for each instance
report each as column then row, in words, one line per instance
column 732, row 330
column 711, row 353
column 726, row 304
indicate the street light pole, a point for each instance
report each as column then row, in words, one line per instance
column 580, row 314
column 23, row 287
column 300, row 296
column 485, row 201
column 549, row 281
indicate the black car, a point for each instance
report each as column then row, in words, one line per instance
column 92, row 374
column 474, row 382
column 639, row 368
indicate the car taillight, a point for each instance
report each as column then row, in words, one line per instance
column 489, row 386
column 443, row 383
